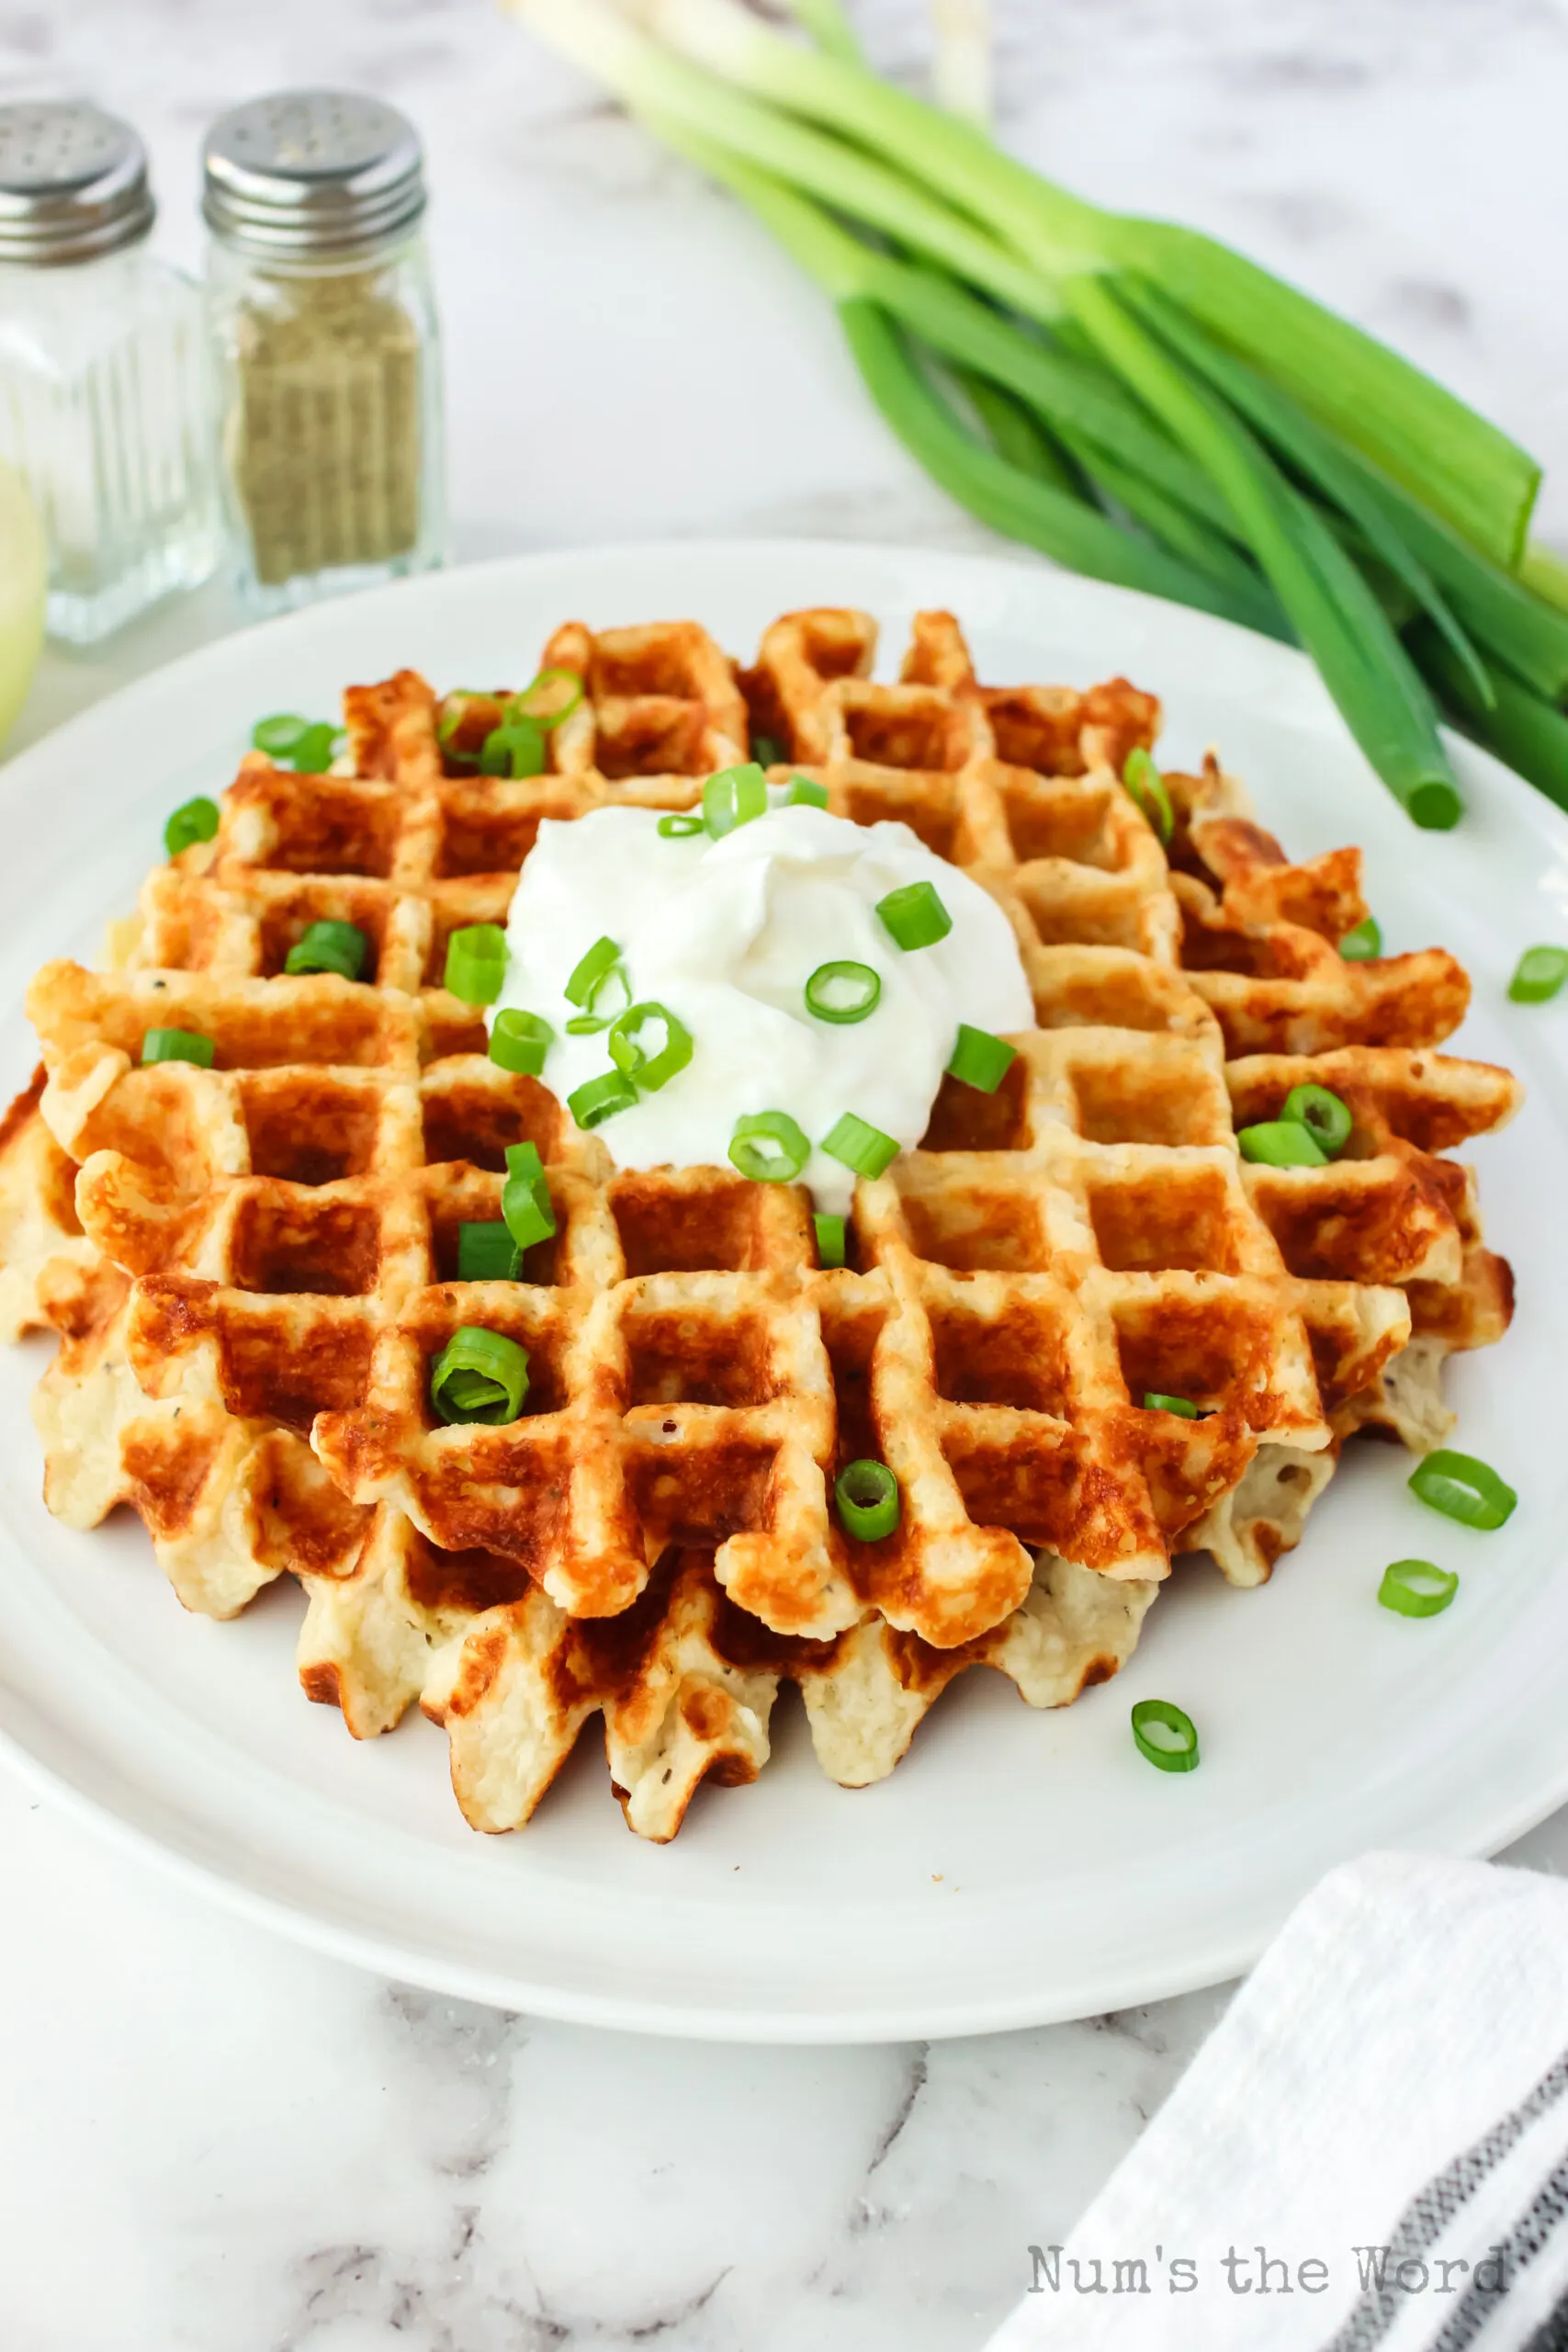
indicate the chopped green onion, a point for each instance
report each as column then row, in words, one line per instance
column 515, row 748
column 1359, row 947
column 680, row 827
column 588, row 1022
column 1325, row 1118
column 553, row 696
column 765, row 751
column 860, row 1145
column 476, row 962
column 194, row 820
column 914, row 915
column 829, row 1239
column 317, row 748
column 979, row 1060
column 1464, row 1488
column 279, row 735
column 1147, row 785
column 519, row 1042
column 487, row 1253
column 768, row 1147
column 868, row 1501
column 1155, row 1401
column 1165, row 1735
column 1539, row 973
column 339, row 947
column 1416, row 1588
column 843, row 992
column 650, row 1071
column 804, row 793
column 1281, row 1143
column 456, row 711
column 526, row 1197
column 600, row 1098
column 733, row 797
column 589, row 969
column 177, row 1045
column 479, row 1375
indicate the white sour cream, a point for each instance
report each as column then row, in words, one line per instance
column 726, row 933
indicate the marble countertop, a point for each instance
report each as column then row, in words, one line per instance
column 210, row 2139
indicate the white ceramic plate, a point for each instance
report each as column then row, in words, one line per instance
column 1018, row 1867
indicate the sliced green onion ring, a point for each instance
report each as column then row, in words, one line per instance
column 476, row 963
column 769, row 1147
column 479, row 1375
column 914, row 915
column 843, row 993
column 802, row 793
column 515, row 748
column 588, row 1023
column 1416, row 1588
column 279, row 735
column 979, row 1060
column 519, row 1042
column 830, row 1238
column 1165, row 1735
column 1537, row 974
column 197, row 821
column 526, row 1197
column 599, row 1099
column 1146, row 787
column 1325, row 1116
column 1462, row 1488
column 553, row 696
column 680, row 825
column 766, row 752
column 1155, row 1401
column 649, row 1071
column 177, row 1045
column 316, row 750
column 1360, row 945
column 487, row 1253
column 733, row 797
column 860, row 1145
column 589, row 969
column 868, row 1501
column 1281, row 1143
column 340, row 947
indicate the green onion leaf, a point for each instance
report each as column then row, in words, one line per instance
column 479, row 1375
column 1464, row 1488
column 1155, row 1401
column 517, row 748
column 1416, row 1588
column 553, row 696
column 915, row 916
column 1281, row 1143
column 734, row 796
column 1538, row 974
column 526, row 1197
column 194, row 820
column 843, row 992
column 860, row 1145
column 520, row 1041
column 487, row 1253
column 769, row 1147
column 600, row 1098
column 476, row 963
column 802, row 793
column 1167, row 1736
column 279, row 735
column 588, row 1022
column 340, row 947
column 1360, row 945
column 1325, row 1118
column 680, row 827
column 1147, row 785
column 316, row 750
column 979, row 1060
column 177, row 1045
column 650, row 1071
column 765, row 751
column 589, row 969
column 868, row 1501
column 830, row 1238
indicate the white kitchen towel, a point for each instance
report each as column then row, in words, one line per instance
column 1368, row 2154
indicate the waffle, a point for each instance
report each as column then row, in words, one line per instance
column 655, row 1527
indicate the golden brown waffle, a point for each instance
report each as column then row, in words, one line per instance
column 1015, row 1287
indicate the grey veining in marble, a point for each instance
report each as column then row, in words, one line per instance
column 210, row 2141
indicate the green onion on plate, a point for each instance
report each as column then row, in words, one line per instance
column 194, row 820
column 1538, row 974
column 1416, row 1588
column 1462, row 1488
column 1165, row 1735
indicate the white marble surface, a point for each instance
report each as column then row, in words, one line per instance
column 211, row 2140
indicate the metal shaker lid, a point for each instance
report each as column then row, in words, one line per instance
column 73, row 183
column 312, row 172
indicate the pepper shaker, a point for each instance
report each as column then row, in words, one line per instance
column 323, row 326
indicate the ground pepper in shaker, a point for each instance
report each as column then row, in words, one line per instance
column 103, row 372
column 324, row 328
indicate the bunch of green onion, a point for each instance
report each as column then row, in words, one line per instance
column 1128, row 396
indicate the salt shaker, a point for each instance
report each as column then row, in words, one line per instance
column 103, row 386
column 324, row 325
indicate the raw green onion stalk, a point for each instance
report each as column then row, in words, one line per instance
column 1127, row 396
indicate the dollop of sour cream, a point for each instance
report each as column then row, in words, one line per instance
column 726, row 934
